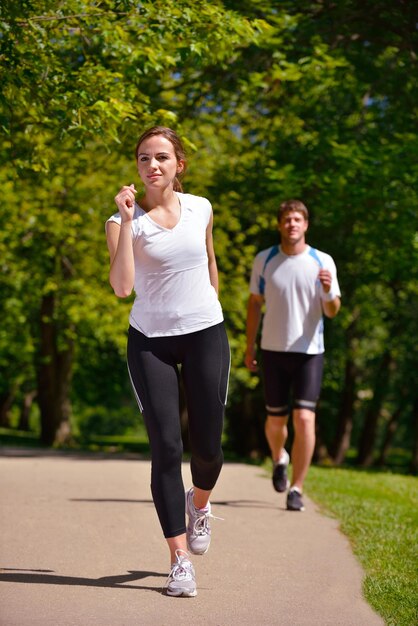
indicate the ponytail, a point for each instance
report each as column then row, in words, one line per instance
column 177, row 186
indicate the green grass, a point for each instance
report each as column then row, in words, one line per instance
column 13, row 437
column 378, row 512
column 117, row 443
column 112, row 444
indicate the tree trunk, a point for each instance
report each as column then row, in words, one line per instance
column 348, row 397
column 414, row 461
column 246, row 426
column 54, row 379
column 392, row 426
column 6, row 401
column 321, row 452
column 368, row 435
column 345, row 414
column 25, row 410
column 389, row 435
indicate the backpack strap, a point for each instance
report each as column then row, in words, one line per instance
column 262, row 282
column 315, row 255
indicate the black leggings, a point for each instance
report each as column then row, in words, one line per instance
column 153, row 368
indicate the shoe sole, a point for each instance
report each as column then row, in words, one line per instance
column 285, row 487
column 181, row 594
column 290, row 509
column 197, row 553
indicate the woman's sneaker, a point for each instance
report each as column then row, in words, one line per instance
column 294, row 500
column 279, row 478
column 198, row 527
column 182, row 579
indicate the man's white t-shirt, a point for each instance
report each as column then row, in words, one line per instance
column 174, row 295
column 293, row 320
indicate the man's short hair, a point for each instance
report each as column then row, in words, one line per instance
column 292, row 205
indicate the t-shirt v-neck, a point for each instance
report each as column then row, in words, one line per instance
column 155, row 223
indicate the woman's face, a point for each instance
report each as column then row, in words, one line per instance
column 157, row 162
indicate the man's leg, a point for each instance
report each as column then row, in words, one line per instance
column 276, row 434
column 277, row 381
column 276, row 391
column 307, row 385
column 303, row 445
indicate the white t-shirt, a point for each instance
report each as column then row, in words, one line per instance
column 293, row 320
column 174, row 295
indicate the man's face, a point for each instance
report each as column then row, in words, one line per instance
column 292, row 227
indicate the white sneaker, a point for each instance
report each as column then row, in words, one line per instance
column 198, row 528
column 182, row 579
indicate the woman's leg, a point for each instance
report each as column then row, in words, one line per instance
column 205, row 373
column 176, row 543
column 154, row 378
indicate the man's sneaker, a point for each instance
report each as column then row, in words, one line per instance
column 181, row 580
column 294, row 500
column 279, row 478
column 198, row 527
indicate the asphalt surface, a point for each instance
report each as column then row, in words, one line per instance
column 80, row 544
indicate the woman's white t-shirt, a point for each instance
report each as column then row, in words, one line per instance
column 174, row 295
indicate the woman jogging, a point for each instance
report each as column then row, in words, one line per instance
column 162, row 248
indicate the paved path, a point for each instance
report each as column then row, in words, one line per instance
column 80, row 545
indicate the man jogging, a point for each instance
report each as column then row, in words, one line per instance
column 296, row 285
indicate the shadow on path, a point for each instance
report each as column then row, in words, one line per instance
column 40, row 577
column 251, row 504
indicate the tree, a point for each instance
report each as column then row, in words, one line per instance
column 77, row 81
column 323, row 109
column 309, row 99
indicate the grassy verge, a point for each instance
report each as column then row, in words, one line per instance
column 379, row 514
column 119, row 444
column 12, row 437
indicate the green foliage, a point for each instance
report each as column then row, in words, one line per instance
column 378, row 512
column 321, row 109
column 90, row 72
column 304, row 99
column 78, row 82
column 100, row 420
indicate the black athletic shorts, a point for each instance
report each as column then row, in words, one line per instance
column 286, row 372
